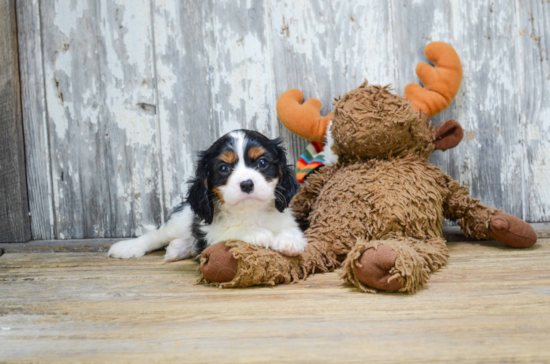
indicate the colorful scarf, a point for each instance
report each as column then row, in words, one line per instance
column 311, row 159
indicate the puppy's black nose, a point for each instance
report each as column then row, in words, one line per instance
column 247, row 186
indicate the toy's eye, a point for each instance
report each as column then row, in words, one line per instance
column 262, row 163
column 224, row 169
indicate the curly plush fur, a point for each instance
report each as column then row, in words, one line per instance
column 383, row 190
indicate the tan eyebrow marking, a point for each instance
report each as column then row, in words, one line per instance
column 256, row 152
column 229, row 156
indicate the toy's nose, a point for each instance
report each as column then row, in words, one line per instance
column 247, row 186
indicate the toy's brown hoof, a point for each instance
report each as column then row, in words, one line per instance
column 512, row 231
column 375, row 268
column 220, row 265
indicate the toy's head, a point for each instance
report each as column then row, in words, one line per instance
column 371, row 122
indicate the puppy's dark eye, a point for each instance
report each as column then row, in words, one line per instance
column 262, row 163
column 224, row 169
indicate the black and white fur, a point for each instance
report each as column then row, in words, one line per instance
column 240, row 198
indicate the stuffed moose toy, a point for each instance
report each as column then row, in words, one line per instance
column 376, row 208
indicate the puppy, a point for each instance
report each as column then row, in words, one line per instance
column 241, row 191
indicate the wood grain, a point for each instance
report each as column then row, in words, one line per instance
column 34, row 108
column 185, row 98
column 326, row 49
column 14, row 209
column 489, row 159
column 488, row 304
column 62, row 246
column 101, row 98
column 451, row 234
column 215, row 75
column 533, row 53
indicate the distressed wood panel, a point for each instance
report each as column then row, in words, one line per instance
column 122, row 96
column 215, row 75
column 326, row 49
column 14, row 213
column 451, row 234
column 490, row 158
column 184, row 90
column 35, row 120
column 242, row 77
column 533, row 53
column 100, row 92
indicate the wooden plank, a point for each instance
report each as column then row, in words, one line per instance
column 101, row 97
column 451, row 234
column 83, row 307
column 184, row 91
column 326, row 49
column 215, row 75
column 533, row 53
column 490, row 159
column 59, row 246
column 242, row 81
column 35, row 120
column 14, row 209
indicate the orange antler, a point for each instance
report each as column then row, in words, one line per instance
column 304, row 119
column 441, row 82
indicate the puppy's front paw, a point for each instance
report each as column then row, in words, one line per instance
column 127, row 249
column 289, row 245
column 179, row 249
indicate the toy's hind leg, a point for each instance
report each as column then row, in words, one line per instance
column 483, row 222
column 397, row 264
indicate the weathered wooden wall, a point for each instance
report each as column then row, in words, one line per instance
column 14, row 208
column 118, row 95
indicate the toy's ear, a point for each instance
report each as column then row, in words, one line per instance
column 448, row 135
column 287, row 185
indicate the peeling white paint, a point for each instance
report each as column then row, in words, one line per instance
column 240, row 83
column 67, row 18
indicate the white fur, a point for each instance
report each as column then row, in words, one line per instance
column 249, row 217
column 262, row 194
column 264, row 226
column 176, row 231
column 178, row 249
column 330, row 157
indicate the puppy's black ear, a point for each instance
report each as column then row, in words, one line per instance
column 287, row 186
column 199, row 196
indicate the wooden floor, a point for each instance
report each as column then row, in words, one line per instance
column 489, row 304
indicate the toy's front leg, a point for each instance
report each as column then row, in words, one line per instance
column 238, row 264
column 483, row 222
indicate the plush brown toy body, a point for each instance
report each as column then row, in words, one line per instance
column 377, row 211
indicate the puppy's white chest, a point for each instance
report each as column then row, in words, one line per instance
column 270, row 229
column 252, row 230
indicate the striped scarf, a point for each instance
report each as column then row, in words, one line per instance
column 311, row 159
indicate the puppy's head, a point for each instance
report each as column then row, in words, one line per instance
column 241, row 170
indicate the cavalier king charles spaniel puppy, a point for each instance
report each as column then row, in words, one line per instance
column 241, row 191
